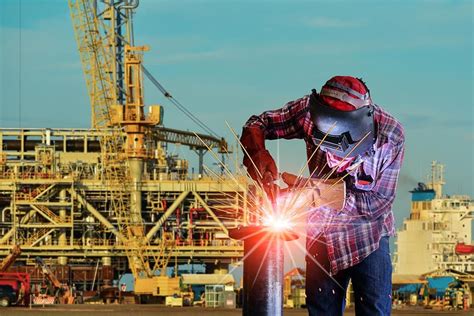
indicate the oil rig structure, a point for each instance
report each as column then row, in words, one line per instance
column 96, row 203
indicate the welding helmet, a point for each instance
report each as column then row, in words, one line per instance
column 343, row 117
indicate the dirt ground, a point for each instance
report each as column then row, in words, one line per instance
column 157, row 310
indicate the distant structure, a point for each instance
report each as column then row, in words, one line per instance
column 437, row 235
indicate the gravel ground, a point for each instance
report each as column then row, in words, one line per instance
column 156, row 310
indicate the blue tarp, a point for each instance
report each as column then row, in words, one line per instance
column 410, row 288
column 440, row 284
column 422, row 195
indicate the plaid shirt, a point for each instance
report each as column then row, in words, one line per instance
column 353, row 233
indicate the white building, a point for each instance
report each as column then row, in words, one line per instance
column 437, row 235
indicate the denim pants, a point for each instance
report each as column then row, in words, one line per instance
column 371, row 281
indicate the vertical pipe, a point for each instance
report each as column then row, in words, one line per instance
column 136, row 171
column 200, row 153
column 263, row 278
column 263, row 269
column 190, row 226
column 14, row 212
column 48, row 137
column 107, row 273
column 62, row 239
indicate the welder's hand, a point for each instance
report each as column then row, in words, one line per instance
column 260, row 164
column 329, row 193
column 264, row 163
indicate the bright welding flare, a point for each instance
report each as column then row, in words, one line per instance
column 282, row 214
column 277, row 223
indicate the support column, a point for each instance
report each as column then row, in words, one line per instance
column 201, row 153
column 107, row 277
column 136, row 171
column 107, row 271
column 62, row 239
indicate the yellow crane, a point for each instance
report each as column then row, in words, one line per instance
column 112, row 70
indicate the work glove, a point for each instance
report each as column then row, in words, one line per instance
column 329, row 193
column 253, row 141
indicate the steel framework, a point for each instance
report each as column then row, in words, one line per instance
column 112, row 194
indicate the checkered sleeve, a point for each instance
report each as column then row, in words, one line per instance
column 287, row 122
column 376, row 199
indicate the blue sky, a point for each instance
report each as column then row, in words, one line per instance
column 226, row 60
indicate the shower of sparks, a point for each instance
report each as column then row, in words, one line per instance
column 288, row 211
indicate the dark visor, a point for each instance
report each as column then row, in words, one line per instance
column 342, row 132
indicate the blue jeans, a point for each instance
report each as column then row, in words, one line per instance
column 371, row 281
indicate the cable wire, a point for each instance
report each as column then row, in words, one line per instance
column 178, row 104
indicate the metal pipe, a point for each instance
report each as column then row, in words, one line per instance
column 133, row 5
column 165, row 216
column 136, row 171
column 62, row 238
column 213, row 215
column 263, row 269
column 25, row 219
column 3, row 213
column 96, row 214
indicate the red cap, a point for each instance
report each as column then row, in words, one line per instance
column 345, row 93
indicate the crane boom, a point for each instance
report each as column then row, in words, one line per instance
column 10, row 259
column 48, row 273
column 96, row 59
column 63, row 292
column 169, row 135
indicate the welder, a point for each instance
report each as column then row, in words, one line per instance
column 348, row 137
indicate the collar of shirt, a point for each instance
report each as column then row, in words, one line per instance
column 342, row 164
